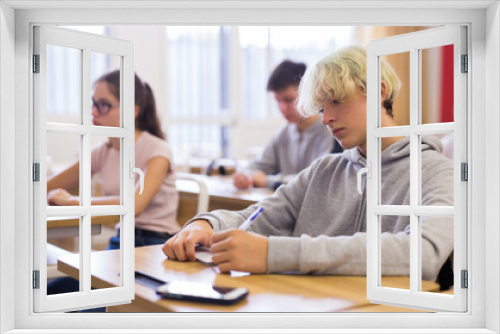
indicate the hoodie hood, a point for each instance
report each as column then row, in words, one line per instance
column 395, row 152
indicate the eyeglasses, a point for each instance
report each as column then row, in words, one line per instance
column 103, row 107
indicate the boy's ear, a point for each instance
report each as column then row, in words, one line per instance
column 383, row 90
column 136, row 111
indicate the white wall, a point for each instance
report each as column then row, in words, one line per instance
column 492, row 153
column 7, row 170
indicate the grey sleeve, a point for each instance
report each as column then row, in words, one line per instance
column 280, row 210
column 319, row 149
column 346, row 255
column 268, row 162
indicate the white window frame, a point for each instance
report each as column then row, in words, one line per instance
column 484, row 103
column 413, row 44
column 87, row 43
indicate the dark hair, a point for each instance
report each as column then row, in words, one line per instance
column 285, row 74
column 147, row 119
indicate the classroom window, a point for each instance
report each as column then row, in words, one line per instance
column 263, row 48
column 198, row 91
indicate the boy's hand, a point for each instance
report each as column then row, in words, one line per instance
column 259, row 179
column 239, row 250
column 241, row 181
column 181, row 246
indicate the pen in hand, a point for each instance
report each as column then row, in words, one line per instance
column 246, row 224
column 204, row 254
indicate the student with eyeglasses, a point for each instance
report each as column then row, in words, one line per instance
column 316, row 223
column 156, row 208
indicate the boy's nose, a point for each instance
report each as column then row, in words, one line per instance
column 328, row 117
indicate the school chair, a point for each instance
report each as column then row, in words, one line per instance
column 185, row 209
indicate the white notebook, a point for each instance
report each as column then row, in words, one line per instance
column 203, row 254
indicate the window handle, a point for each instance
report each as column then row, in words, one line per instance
column 366, row 170
column 139, row 171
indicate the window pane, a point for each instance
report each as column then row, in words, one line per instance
column 63, row 150
column 437, row 167
column 437, row 228
column 400, row 62
column 62, row 240
column 437, row 85
column 395, row 171
column 395, row 252
column 105, row 89
column 64, row 90
column 105, row 167
column 106, row 252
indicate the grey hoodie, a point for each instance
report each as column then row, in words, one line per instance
column 317, row 222
column 291, row 151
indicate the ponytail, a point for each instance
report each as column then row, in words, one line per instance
column 148, row 120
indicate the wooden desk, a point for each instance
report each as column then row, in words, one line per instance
column 66, row 227
column 268, row 293
column 223, row 195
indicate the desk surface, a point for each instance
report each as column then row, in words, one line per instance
column 268, row 293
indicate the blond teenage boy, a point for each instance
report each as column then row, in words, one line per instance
column 316, row 224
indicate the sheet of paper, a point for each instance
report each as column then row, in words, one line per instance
column 203, row 254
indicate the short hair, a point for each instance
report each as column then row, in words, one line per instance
column 336, row 76
column 287, row 73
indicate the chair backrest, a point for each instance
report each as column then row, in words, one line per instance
column 185, row 210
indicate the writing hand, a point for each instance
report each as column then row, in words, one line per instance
column 241, row 181
column 259, row 179
column 239, row 250
column 181, row 246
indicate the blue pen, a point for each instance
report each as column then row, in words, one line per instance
column 246, row 224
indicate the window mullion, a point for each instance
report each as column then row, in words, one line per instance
column 414, row 170
column 85, row 166
column 128, row 186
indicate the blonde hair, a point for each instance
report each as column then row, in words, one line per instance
column 335, row 78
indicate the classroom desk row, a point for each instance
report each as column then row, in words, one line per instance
column 222, row 195
column 268, row 293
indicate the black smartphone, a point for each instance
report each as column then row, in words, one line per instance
column 202, row 292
